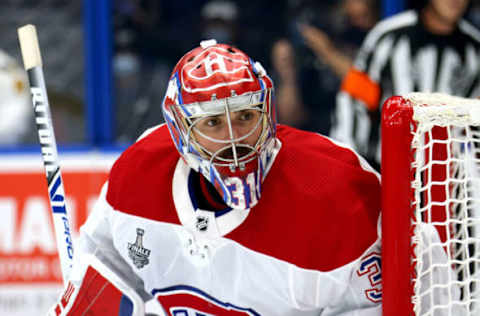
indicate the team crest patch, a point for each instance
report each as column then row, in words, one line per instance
column 137, row 252
column 184, row 300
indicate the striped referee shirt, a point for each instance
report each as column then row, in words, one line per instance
column 399, row 56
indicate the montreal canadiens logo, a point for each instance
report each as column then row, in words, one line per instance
column 208, row 70
column 185, row 300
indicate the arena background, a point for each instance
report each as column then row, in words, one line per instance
column 89, row 73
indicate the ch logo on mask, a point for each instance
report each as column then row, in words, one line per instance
column 203, row 73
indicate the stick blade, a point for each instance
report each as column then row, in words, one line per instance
column 27, row 35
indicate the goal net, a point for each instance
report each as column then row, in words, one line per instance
column 431, row 205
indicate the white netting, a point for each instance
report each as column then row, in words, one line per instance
column 447, row 197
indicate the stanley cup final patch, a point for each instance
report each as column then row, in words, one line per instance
column 137, row 252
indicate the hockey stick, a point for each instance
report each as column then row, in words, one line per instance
column 32, row 60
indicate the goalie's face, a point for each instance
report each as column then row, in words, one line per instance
column 220, row 111
column 229, row 138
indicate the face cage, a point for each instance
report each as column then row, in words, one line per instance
column 233, row 143
column 225, row 106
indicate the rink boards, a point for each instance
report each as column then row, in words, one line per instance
column 30, row 277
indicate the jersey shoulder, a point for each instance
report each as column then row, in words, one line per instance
column 318, row 151
column 326, row 172
column 141, row 172
column 318, row 191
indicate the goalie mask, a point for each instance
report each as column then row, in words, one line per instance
column 221, row 116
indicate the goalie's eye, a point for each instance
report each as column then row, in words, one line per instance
column 213, row 121
column 209, row 122
column 247, row 115
column 241, row 122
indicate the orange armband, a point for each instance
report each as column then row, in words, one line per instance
column 361, row 87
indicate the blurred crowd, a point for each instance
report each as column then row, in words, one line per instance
column 151, row 35
column 307, row 46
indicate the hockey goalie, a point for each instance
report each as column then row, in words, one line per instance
column 222, row 211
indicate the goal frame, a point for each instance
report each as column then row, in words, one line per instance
column 397, row 194
column 428, row 147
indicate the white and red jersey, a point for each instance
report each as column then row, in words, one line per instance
column 309, row 247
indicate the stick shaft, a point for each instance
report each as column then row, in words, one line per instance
column 56, row 193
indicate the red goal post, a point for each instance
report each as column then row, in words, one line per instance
column 430, row 205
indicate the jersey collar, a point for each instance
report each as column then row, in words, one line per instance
column 205, row 222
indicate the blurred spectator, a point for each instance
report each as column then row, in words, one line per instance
column 357, row 17
column 67, row 115
column 309, row 65
column 128, row 76
column 290, row 108
column 260, row 24
column 61, row 36
column 150, row 35
column 427, row 49
column 15, row 106
column 134, row 64
column 219, row 19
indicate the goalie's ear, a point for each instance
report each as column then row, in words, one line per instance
column 98, row 292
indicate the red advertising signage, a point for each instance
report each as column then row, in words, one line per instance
column 28, row 256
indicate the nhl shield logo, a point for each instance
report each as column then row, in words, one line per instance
column 202, row 223
column 137, row 252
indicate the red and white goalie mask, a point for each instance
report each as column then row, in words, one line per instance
column 220, row 112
